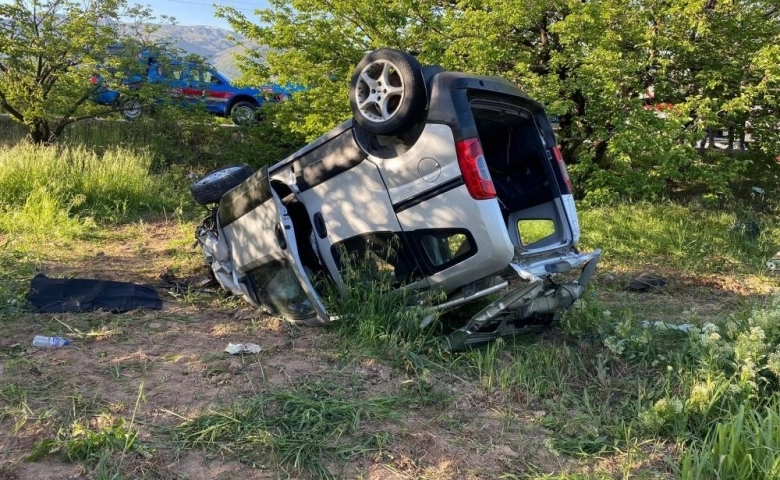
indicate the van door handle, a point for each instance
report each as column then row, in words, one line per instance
column 319, row 225
column 280, row 237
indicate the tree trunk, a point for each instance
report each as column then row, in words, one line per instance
column 730, row 138
column 40, row 132
column 600, row 153
column 711, row 132
column 572, row 137
column 59, row 128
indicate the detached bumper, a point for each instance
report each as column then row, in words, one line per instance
column 532, row 305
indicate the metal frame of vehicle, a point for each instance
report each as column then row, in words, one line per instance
column 442, row 206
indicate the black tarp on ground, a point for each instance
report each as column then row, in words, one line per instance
column 60, row 295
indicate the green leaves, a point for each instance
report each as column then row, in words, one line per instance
column 711, row 65
column 51, row 49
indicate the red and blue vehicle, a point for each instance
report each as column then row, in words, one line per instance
column 194, row 83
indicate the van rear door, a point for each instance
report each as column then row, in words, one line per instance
column 522, row 164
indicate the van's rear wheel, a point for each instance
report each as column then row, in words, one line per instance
column 212, row 186
column 387, row 93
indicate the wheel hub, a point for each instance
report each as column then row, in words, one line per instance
column 132, row 109
column 380, row 91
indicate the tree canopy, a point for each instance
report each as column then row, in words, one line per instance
column 52, row 50
column 710, row 64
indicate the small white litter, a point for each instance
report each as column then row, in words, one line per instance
column 426, row 321
column 236, row 348
column 773, row 264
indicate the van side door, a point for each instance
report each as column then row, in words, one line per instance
column 264, row 250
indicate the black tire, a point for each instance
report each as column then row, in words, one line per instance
column 212, row 186
column 131, row 109
column 387, row 92
column 243, row 113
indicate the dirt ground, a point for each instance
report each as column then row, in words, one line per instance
column 159, row 368
column 174, row 360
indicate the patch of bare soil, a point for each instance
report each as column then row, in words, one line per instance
column 686, row 296
column 158, row 368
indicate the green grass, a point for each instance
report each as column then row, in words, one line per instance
column 194, row 140
column 16, row 270
column 745, row 445
column 311, row 427
column 66, row 190
column 375, row 314
column 89, row 433
column 685, row 237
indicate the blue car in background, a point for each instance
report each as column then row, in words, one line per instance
column 196, row 84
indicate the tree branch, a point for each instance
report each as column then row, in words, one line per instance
column 69, row 113
column 350, row 20
column 8, row 108
column 68, row 120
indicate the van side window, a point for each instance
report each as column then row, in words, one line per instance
column 445, row 247
column 380, row 255
column 276, row 286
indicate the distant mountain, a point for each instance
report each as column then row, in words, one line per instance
column 225, row 60
column 215, row 44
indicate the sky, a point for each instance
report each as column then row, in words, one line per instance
column 200, row 12
column 196, row 12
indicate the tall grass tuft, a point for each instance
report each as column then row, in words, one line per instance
column 43, row 214
column 745, row 445
column 60, row 189
column 374, row 310
column 192, row 139
column 11, row 132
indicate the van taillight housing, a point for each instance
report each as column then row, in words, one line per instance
column 474, row 169
column 562, row 167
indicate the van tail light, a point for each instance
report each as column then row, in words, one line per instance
column 474, row 169
column 562, row 167
column 93, row 80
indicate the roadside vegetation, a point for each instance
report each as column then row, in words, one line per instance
column 51, row 50
column 45, row 189
column 682, row 381
column 677, row 383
